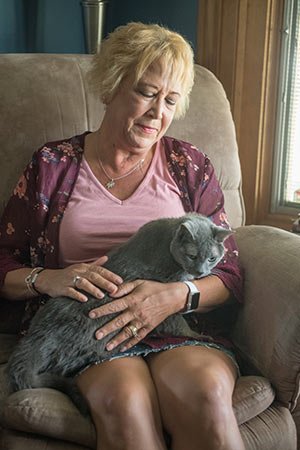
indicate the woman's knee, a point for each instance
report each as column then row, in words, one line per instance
column 123, row 403
column 195, row 387
column 124, row 400
column 119, row 391
column 203, row 390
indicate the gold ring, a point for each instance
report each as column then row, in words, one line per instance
column 75, row 279
column 134, row 330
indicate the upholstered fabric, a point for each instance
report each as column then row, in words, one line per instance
column 49, row 413
column 271, row 339
column 270, row 430
column 252, row 396
column 16, row 440
column 268, row 329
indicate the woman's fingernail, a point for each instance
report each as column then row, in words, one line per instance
column 92, row 315
column 100, row 294
column 99, row 335
column 110, row 346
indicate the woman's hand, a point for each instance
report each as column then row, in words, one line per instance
column 142, row 305
column 90, row 278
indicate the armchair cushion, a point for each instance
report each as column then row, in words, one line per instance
column 267, row 331
column 50, row 413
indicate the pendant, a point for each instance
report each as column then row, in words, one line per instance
column 110, row 184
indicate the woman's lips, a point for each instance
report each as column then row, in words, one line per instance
column 147, row 129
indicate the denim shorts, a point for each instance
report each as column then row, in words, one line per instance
column 143, row 350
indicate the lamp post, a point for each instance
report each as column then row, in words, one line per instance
column 93, row 17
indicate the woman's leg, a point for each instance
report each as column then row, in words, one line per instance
column 194, row 387
column 123, row 405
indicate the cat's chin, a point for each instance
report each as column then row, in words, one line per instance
column 188, row 277
column 198, row 275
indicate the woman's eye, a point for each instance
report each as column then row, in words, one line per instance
column 212, row 259
column 147, row 94
column 171, row 101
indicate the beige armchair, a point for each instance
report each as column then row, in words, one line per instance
column 45, row 97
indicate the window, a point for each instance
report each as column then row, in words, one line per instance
column 286, row 174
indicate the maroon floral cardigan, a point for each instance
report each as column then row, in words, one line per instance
column 29, row 227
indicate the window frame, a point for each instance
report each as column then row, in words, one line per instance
column 240, row 42
column 278, row 205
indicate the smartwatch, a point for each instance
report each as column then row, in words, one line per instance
column 193, row 298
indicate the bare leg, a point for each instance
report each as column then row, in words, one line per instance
column 123, row 405
column 194, row 386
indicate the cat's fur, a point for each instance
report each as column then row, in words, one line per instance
column 61, row 338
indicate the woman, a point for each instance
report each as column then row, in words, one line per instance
column 97, row 189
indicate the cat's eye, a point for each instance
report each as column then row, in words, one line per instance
column 212, row 259
column 193, row 257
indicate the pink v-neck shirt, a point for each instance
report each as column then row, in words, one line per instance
column 95, row 221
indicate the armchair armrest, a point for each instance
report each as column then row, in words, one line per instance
column 267, row 332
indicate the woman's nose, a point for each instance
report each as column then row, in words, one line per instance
column 157, row 108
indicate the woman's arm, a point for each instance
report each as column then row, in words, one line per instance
column 208, row 200
column 93, row 278
column 14, row 286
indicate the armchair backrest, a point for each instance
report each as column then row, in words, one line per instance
column 45, row 97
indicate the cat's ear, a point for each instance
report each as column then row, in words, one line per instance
column 220, row 233
column 185, row 230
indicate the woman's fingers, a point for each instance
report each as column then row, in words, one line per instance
column 103, row 278
column 139, row 312
column 79, row 279
column 126, row 337
column 126, row 288
column 93, row 279
column 131, row 332
column 118, row 323
column 112, row 307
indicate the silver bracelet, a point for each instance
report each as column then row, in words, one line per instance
column 31, row 279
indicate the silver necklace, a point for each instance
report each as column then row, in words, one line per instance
column 112, row 181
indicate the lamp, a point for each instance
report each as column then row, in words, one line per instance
column 93, row 17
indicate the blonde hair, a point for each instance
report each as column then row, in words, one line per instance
column 132, row 48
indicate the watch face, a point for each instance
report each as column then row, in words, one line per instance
column 195, row 300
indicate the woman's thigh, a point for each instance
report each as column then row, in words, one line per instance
column 116, row 381
column 123, row 404
column 192, row 381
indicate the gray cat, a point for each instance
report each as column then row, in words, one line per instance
column 60, row 341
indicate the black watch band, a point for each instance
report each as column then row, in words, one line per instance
column 193, row 299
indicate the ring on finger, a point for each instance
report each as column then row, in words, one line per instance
column 133, row 329
column 75, row 280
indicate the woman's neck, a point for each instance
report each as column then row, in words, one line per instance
column 116, row 158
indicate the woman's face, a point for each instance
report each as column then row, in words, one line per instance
column 140, row 115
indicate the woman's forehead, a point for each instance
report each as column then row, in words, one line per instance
column 157, row 71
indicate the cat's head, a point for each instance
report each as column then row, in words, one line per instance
column 198, row 244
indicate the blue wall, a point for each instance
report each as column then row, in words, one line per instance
column 56, row 26
column 12, row 26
